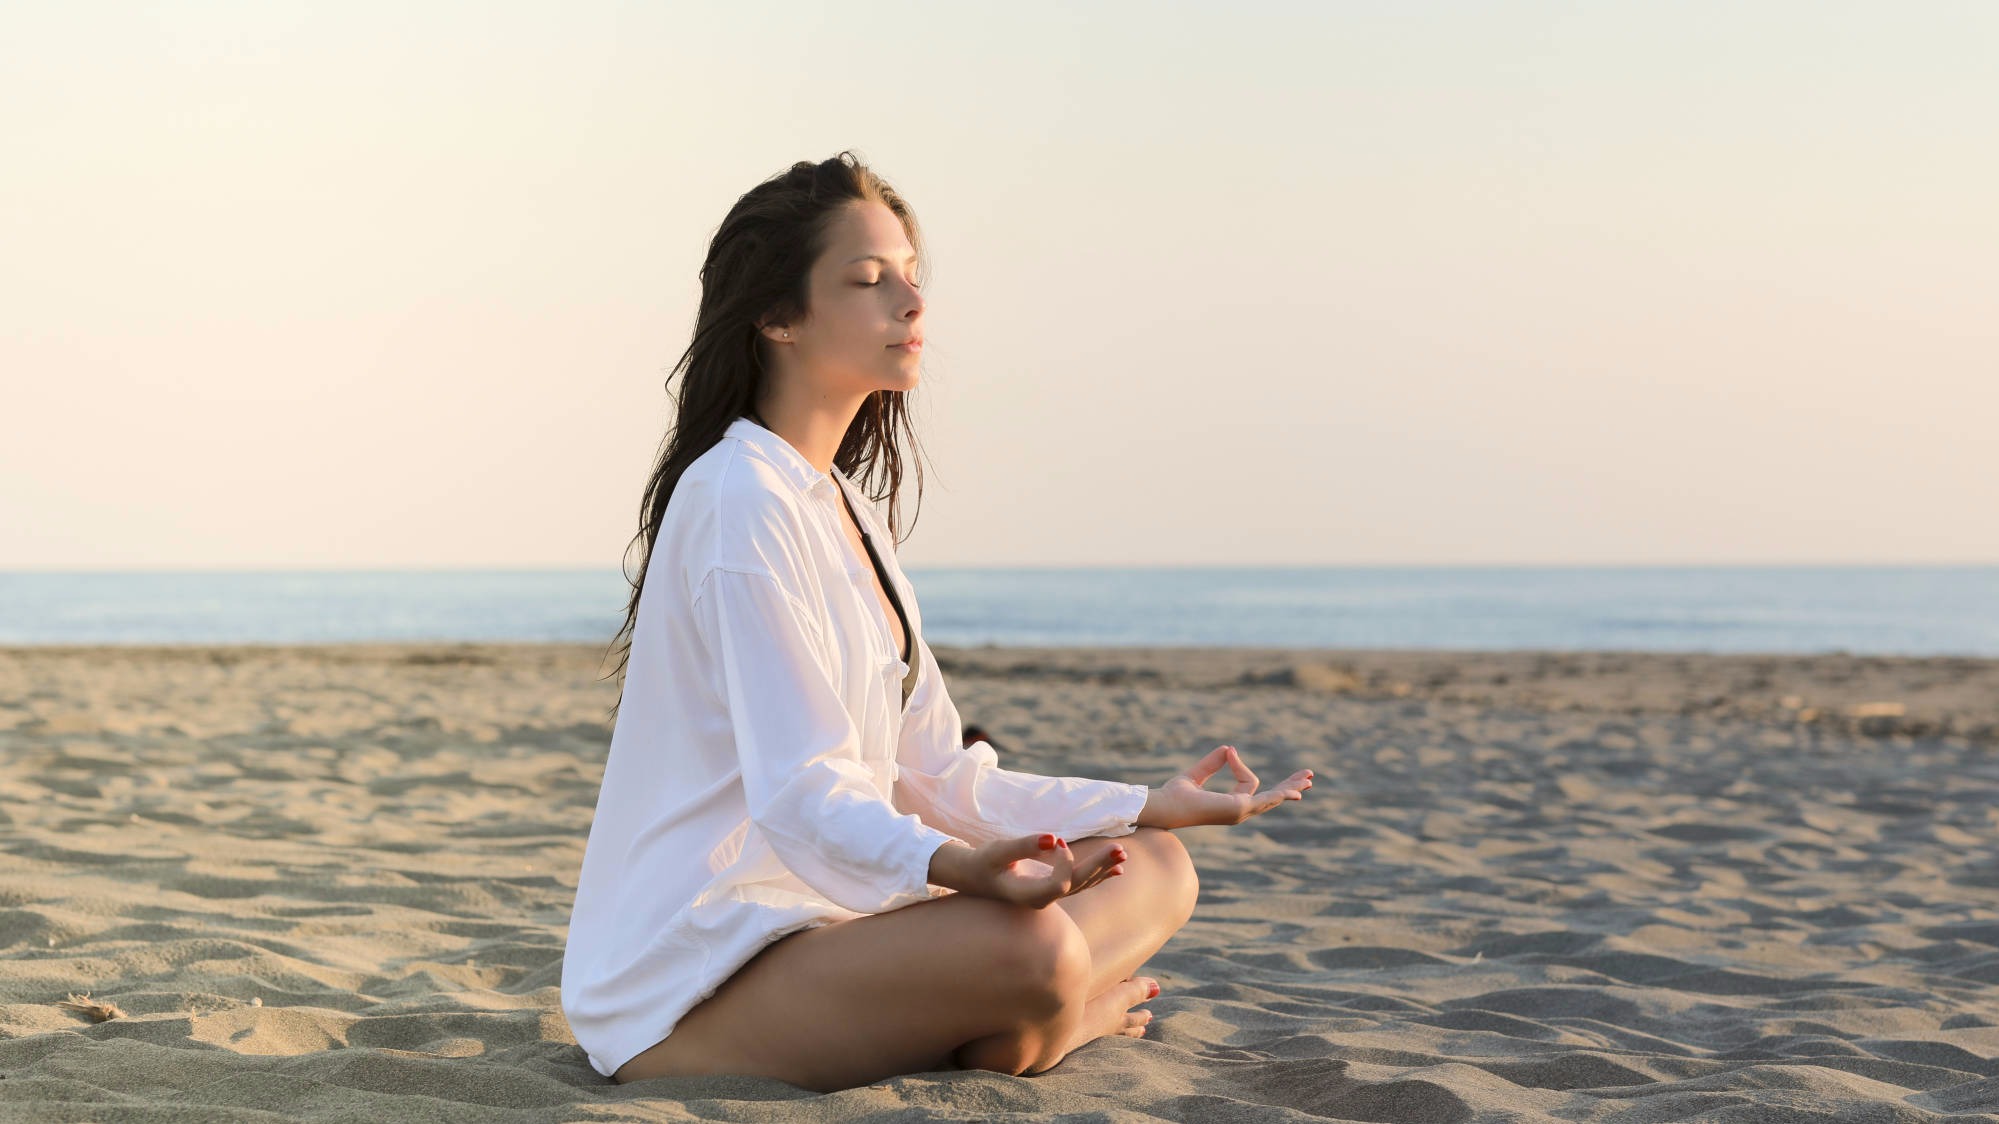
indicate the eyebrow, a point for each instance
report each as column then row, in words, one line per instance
column 879, row 258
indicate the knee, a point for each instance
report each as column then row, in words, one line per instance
column 1174, row 867
column 1044, row 959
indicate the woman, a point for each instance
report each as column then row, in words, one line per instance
column 796, row 868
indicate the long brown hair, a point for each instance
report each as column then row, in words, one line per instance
column 756, row 274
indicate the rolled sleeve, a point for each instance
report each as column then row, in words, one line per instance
column 963, row 790
column 808, row 789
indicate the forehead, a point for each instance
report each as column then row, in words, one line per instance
column 863, row 229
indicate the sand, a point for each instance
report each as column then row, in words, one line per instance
column 332, row 884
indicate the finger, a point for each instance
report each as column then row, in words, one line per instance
column 1063, row 860
column 1271, row 800
column 1107, row 860
column 1036, row 890
column 1042, row 847
column 1114, row 860
column 1207, row 766
column 1246, row 805
column 1055, row 862
column 1092, row 880
column 1245, row 779
column 1100, row 874
column 1297, row 782
column 1100, row 867
column 1106, row 877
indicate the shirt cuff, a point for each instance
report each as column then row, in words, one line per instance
column 1126, row 809
column 916, row 886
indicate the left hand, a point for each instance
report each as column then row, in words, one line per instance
column 1183, row 802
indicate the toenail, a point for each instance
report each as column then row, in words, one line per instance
column 1154, row 992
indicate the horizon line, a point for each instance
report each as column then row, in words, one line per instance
column 487, row 568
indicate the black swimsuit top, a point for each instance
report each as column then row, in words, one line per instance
column 908, row 638
column 909, row 651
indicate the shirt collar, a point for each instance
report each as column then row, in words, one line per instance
column 779, row 452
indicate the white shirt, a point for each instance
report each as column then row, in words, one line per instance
column 765, row 774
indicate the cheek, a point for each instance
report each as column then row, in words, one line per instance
column 861, row 320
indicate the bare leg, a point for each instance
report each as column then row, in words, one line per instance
column 1128, row 918
column 1124, row 920
column 901, row 992
column 1116, row 1011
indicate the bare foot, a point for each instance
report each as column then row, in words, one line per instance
column 1113, row 1013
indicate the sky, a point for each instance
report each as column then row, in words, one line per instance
column 399, row 285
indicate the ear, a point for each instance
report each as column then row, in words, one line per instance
column 776, row 333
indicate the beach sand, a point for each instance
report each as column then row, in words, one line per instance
column 332, row 884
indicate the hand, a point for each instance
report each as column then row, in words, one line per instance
column 1033, row 870
column 1183, row 802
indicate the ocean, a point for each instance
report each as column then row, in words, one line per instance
column 1899, row 610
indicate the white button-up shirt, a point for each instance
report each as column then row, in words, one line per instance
column 765, row 774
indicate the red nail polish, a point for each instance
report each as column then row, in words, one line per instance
column 1047, row 842
column 1062, row 843
column 1155, row 992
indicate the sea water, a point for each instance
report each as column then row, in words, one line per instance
column 1910, row 610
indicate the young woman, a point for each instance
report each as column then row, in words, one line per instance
column 797, row 869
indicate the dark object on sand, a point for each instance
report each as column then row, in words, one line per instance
column 975, row 733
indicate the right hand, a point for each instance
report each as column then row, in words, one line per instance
column 1034, row 870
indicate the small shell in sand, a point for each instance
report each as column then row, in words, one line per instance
column 95, row 1012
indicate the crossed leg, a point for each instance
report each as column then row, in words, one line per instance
column 958, row 980
column 1122, row 931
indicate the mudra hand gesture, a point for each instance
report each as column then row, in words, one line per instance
column 1034, row 870
column 1030, row 870
column 1184, row 802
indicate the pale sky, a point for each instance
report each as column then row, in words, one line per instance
column 398, row 284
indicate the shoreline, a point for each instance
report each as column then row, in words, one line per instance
column 1881, row 696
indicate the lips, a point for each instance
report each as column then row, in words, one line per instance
column 912, row 342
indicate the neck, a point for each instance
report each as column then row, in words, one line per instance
column 815, row 429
